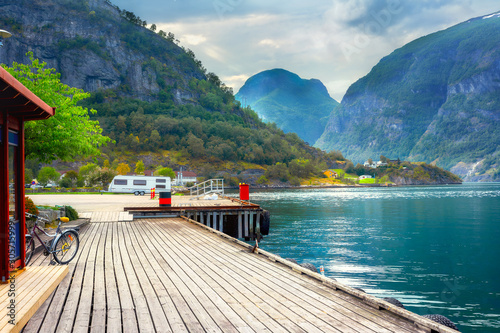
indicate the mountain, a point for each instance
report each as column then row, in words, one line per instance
column 436, row 99
column 154, row 98
column 96, row 46
column 294, row 104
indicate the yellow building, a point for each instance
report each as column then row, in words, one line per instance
column 331, row 174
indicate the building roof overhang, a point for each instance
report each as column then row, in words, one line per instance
column 19, row 101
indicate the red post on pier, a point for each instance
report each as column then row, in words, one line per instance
column 244, row 192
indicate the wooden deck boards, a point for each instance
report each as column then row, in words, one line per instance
column 32, row 288
column 168, row 275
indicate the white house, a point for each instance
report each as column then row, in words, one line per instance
column 368, row 165
column 375, row 165
column 184, row 177
column 365, row 177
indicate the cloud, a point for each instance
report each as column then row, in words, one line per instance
column 194, row 39
column 336, row 41
column 235, row 80
column 269, row 42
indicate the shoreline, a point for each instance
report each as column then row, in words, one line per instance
column 272, row 187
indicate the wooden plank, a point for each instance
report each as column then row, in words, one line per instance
column 30, row 296
column 129, row 318
column 63, row 322
column 82, row 309
column 164, row 271
column 255, row 304
column 98, row 318
column 113, row 309
column 154, row 276
column 207, row 314
column 148, row 281
column 144, row 319
column 255, row 318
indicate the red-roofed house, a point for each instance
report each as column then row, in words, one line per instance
column 184, row 177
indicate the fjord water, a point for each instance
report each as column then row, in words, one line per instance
column 436, row 249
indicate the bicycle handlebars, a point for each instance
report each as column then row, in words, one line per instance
column 59, row 219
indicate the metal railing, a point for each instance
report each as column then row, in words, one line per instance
column 209, row 186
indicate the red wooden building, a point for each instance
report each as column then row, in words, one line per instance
column 17, row 105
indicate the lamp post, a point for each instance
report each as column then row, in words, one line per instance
column 4, row 34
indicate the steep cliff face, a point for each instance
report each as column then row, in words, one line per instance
column 436, row 99
column 292, row 103
column 94, row 47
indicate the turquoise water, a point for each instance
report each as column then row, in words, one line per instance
column 436, row 249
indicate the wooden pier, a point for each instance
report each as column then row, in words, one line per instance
column 177, row 275
column 237, row 218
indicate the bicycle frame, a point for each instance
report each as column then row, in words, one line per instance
column 54, row 237
column 36, row 227
column 58, row 243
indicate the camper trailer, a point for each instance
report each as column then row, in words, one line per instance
column 139, row 185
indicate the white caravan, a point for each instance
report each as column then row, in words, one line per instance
column 139, row 185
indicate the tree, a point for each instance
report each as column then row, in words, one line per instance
column 278, row 171
column 139, row 168
column 349, row 167
column 86, row 171
column 165, row 172
column 70, row 132
column 123, row 169
column 370, row 161
column 28, row 176
column 195, row 146
column 153, row 27
column 70, row 179
column 102, row 177
column 47, row 175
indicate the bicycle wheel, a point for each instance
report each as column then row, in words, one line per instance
column 66, row 247
column 30, row 249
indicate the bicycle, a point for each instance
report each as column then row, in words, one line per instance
column 63, row 245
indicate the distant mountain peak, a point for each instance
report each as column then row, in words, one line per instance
column 495, row 15
column 294, row 104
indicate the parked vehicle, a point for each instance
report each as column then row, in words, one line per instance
column 139, row 185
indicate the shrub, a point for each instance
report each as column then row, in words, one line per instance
column 29, row 206
column 71, row 213
column 295, row 181
column 262, row 180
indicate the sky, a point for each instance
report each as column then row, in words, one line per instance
column 335, row 41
